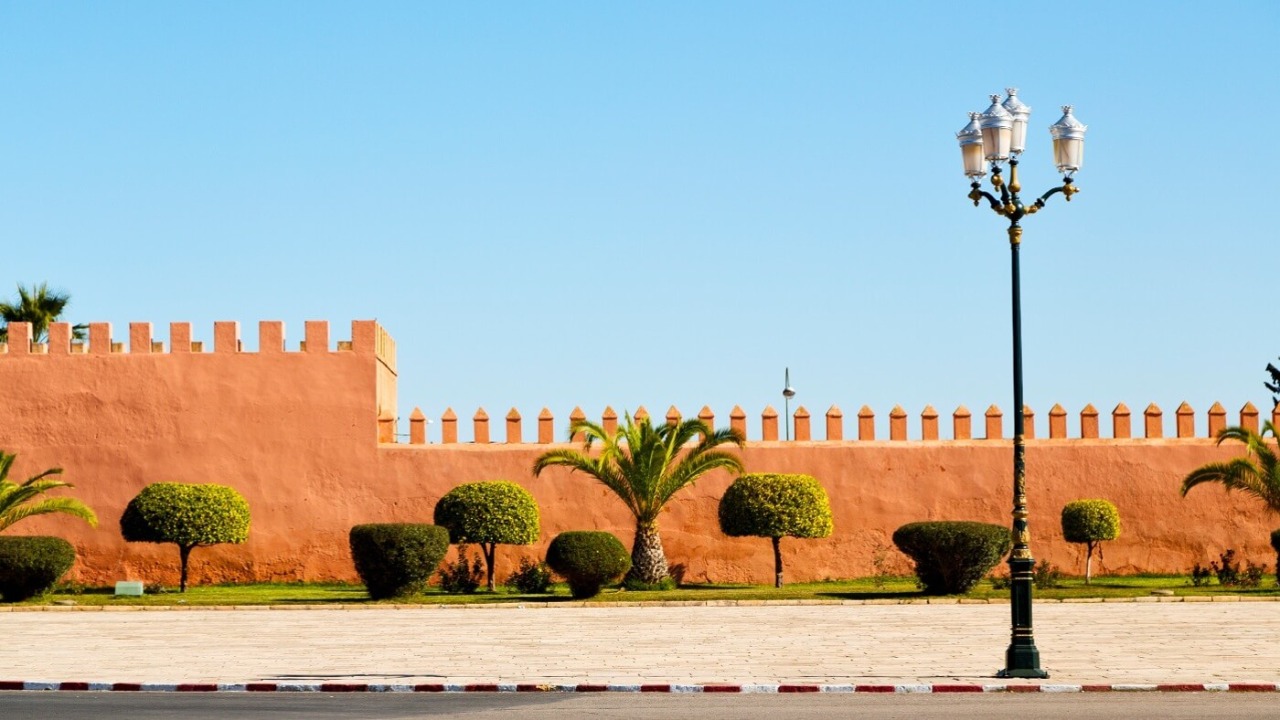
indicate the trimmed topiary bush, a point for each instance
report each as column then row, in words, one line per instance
column 490, row 513
column 952, row 556
column 29, row 566
column 1089, row 522
column 588, row 559
column 397, row 559
column 188, row 516
column 775, row 506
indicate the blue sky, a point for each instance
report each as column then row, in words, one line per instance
column 560, row 204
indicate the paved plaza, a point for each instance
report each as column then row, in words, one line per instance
column 1111, row 643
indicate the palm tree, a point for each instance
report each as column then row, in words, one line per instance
column 39, row 306
column 1256, row 474
column 645, row 466
column 17, row 501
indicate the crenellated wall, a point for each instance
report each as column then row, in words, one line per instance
column 801, row 428
column 308, row 437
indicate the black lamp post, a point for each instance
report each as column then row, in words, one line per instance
column 995, row 136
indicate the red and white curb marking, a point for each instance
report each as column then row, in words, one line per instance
column 272, row 687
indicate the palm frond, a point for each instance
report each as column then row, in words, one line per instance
column 37, row 305
column 644, row 463
column 18, row 501
column 63, row 505
column 1256, row 474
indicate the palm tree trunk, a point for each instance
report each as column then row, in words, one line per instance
column 648, row 561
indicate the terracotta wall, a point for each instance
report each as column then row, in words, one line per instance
column 297, row 434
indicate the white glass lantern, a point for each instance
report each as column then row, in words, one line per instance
column 997, row 131
column 1021, row 115
column 1068, row 142
column 975, row 162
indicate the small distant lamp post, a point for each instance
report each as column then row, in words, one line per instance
column 995, row 136
column 788, row 392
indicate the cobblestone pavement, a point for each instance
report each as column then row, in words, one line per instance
column 1080, row 643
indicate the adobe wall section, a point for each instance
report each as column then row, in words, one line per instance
column 294, row 432
column 297, row 433
column 876, row 487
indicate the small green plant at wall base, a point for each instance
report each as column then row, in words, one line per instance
column 1230, row 574
column 460, row 576
column 1046, row 575
column 588, row 559
column 1252, row 575
column 1227, row 568
column 397, row 559
column 1089, row 522
column 489, row 513
column 30, row 566
column 532, row 578
column 1200, row 576
column 188, row 516
column 952, row 556
column 775, row 506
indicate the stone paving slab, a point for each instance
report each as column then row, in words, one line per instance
column 1096, row 644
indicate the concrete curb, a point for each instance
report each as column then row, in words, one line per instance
column 46, row 686
column 539, row 604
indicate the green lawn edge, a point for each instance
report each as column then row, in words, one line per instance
column 893, row 589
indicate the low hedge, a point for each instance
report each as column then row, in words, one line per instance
column 588, row 559
column 952, row 556
column 397, row 559
column 29, row 566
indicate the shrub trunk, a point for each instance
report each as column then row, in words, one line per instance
column 489, row 551
column 184, row 551
column 777, row 562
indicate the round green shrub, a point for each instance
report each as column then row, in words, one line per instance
column 952, row 556
column 29, row 566
column 397, row 559
column 588, row 559
column 495, row 511
column 491, row 513
column 188, row 516
column 775, row 506
column 1090, row 521
column 772, row 505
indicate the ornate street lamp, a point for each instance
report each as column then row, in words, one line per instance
column 996, row 136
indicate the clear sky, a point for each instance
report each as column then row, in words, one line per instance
column 624, row 203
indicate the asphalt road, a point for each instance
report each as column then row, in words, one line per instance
column 503, row 706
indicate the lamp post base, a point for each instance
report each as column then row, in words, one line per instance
column 1022, row 659
column 1024, row 666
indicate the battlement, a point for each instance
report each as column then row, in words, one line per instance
column 367, row 337
column 993, row 428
